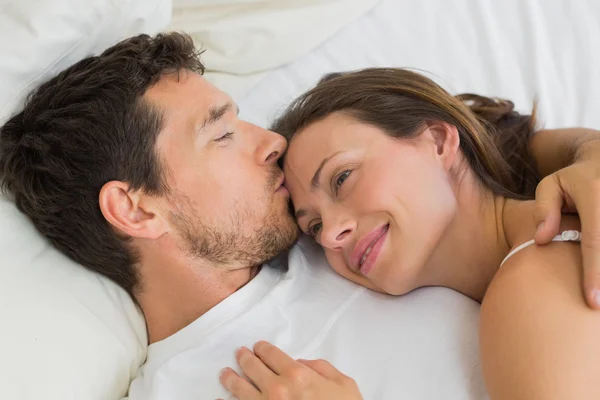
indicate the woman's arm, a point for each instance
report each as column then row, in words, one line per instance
column 538, row 338
column 571, row 160
column 555, row 149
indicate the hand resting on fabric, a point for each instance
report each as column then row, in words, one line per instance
column 277, row 376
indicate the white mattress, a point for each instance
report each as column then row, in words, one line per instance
column 516, row 49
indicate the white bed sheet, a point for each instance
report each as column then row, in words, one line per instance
column 516, row 49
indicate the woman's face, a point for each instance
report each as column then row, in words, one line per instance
column 378, row 205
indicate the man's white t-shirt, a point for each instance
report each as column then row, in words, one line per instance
column 423, row 345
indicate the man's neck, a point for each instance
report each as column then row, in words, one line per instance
column 177, row 290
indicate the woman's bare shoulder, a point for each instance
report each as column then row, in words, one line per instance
column 538, row 338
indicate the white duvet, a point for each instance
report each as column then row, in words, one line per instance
column 516, row 49
column 245, row 38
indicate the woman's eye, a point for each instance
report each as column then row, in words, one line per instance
column 224, row 137
column 341, row 178
column 313, row 230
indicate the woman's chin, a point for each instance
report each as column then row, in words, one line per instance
column 395, row 287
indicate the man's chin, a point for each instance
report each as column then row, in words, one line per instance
column 283, row 237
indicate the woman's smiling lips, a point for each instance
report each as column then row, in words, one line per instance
column 367, row 249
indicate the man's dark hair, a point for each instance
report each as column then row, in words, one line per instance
column 83, row 128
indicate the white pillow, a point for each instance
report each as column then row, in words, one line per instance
column 39, row 38
column 65, row 333
column 246, row 38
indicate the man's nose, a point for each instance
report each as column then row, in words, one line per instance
column 271, row 147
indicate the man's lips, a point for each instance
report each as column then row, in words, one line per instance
column 365, row 244
column 279, row 183
column 281, row 189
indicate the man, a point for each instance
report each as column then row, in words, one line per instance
column 138, row 168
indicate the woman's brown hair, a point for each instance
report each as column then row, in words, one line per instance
column 493, row 137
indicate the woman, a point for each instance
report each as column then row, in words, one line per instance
column 405, row 186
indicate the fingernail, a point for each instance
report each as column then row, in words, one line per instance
column 239, row 351
column 596, row 297
column 222, row 372
column 540, row 227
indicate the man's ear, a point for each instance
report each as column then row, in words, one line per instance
column 131, row 212
column 446, row 140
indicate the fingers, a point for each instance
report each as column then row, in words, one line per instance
column 586, row 199
column 254, row 368
column 238, row 386
column 328, row 371
column 274, row 373
column 324, row 368
column 588, row 206
column 591, row 279
column 549, row 200
column 274, row 358
column 579, row 191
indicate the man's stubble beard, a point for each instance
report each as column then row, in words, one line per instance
column 230, row 242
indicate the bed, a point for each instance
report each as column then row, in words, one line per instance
column 520, row 50
column 69, row 334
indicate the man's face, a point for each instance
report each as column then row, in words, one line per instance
column 226, row 204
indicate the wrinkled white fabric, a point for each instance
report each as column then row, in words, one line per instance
column 245, row 38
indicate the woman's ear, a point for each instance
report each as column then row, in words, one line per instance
column 446, row 140
column 132, row 213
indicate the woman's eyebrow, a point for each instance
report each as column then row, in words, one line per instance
column 300, row 213
column 314, row 183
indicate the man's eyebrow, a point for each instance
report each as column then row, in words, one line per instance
column 215, row 114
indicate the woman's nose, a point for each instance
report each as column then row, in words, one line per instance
column 336, row 233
